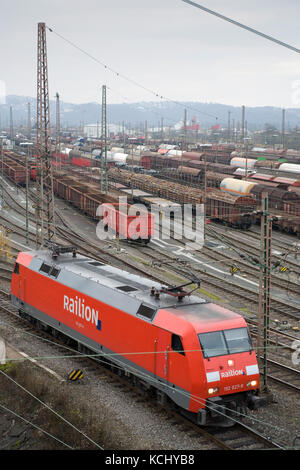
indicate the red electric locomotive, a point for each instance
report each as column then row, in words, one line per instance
column 190, row 351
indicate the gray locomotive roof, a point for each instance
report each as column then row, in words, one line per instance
column 108, row 284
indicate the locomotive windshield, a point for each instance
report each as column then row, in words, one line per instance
column 221, row 343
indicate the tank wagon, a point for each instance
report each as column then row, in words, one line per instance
column 243, row 162
column 237, row 186
column 277, row 196
column 191, row 352
column 290, row 168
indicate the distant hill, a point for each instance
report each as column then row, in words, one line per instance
column 136, row 114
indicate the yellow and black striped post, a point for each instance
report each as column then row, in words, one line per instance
column 76, row 374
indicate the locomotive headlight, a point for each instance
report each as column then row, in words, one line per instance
column 253, row 383
column 230, row 362
column 213, row 390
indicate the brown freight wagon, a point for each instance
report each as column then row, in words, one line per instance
column 233, row 211
column 216, row 167
column 61, row 187
column 214, row 179
column 76, row 194
column 15, row 172
column 276, row 196
column 284, row 221
column 193, row 155
column 292, row 208
column 185, row 170
column 91, row 202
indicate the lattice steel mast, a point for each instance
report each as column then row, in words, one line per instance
column 57, row 135
column 11, row 125
column 28, row 121
column 104, row 175
column 45, row 200
column 263, row 319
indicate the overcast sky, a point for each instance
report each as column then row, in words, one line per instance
column 167, row 46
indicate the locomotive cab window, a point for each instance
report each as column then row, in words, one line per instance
column 221, row 343
column 213, row 344
column 17, row 268
column 176, row 344
column 238, row 340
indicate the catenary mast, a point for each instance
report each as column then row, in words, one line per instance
column 45, row 202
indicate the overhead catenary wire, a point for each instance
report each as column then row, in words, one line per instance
column 241, row 25
column 130, row 80
column 144, row 106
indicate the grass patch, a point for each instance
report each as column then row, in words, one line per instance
column 244, row 309
column 210, row 295
column 6, row 368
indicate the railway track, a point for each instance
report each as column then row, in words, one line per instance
column 247, row 270
column 81, row 241
column 284, row 375
column 280, row 341
column 5, row 274
column 221, row 284
column 238, row 240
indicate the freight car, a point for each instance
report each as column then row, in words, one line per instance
column 159, row 187
column 290, row 168
column 213, row 179
column 87, row 197
column 243, row 162
column 14, row 171
column 128, row 222
column 218, row 205
column 236, row 186
column 192, row 175
column 20, row 159
column 233, row 211
column 277, row 197
column 286, row 220
column 194, row 353
column 217, row 158
column 215, row 167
